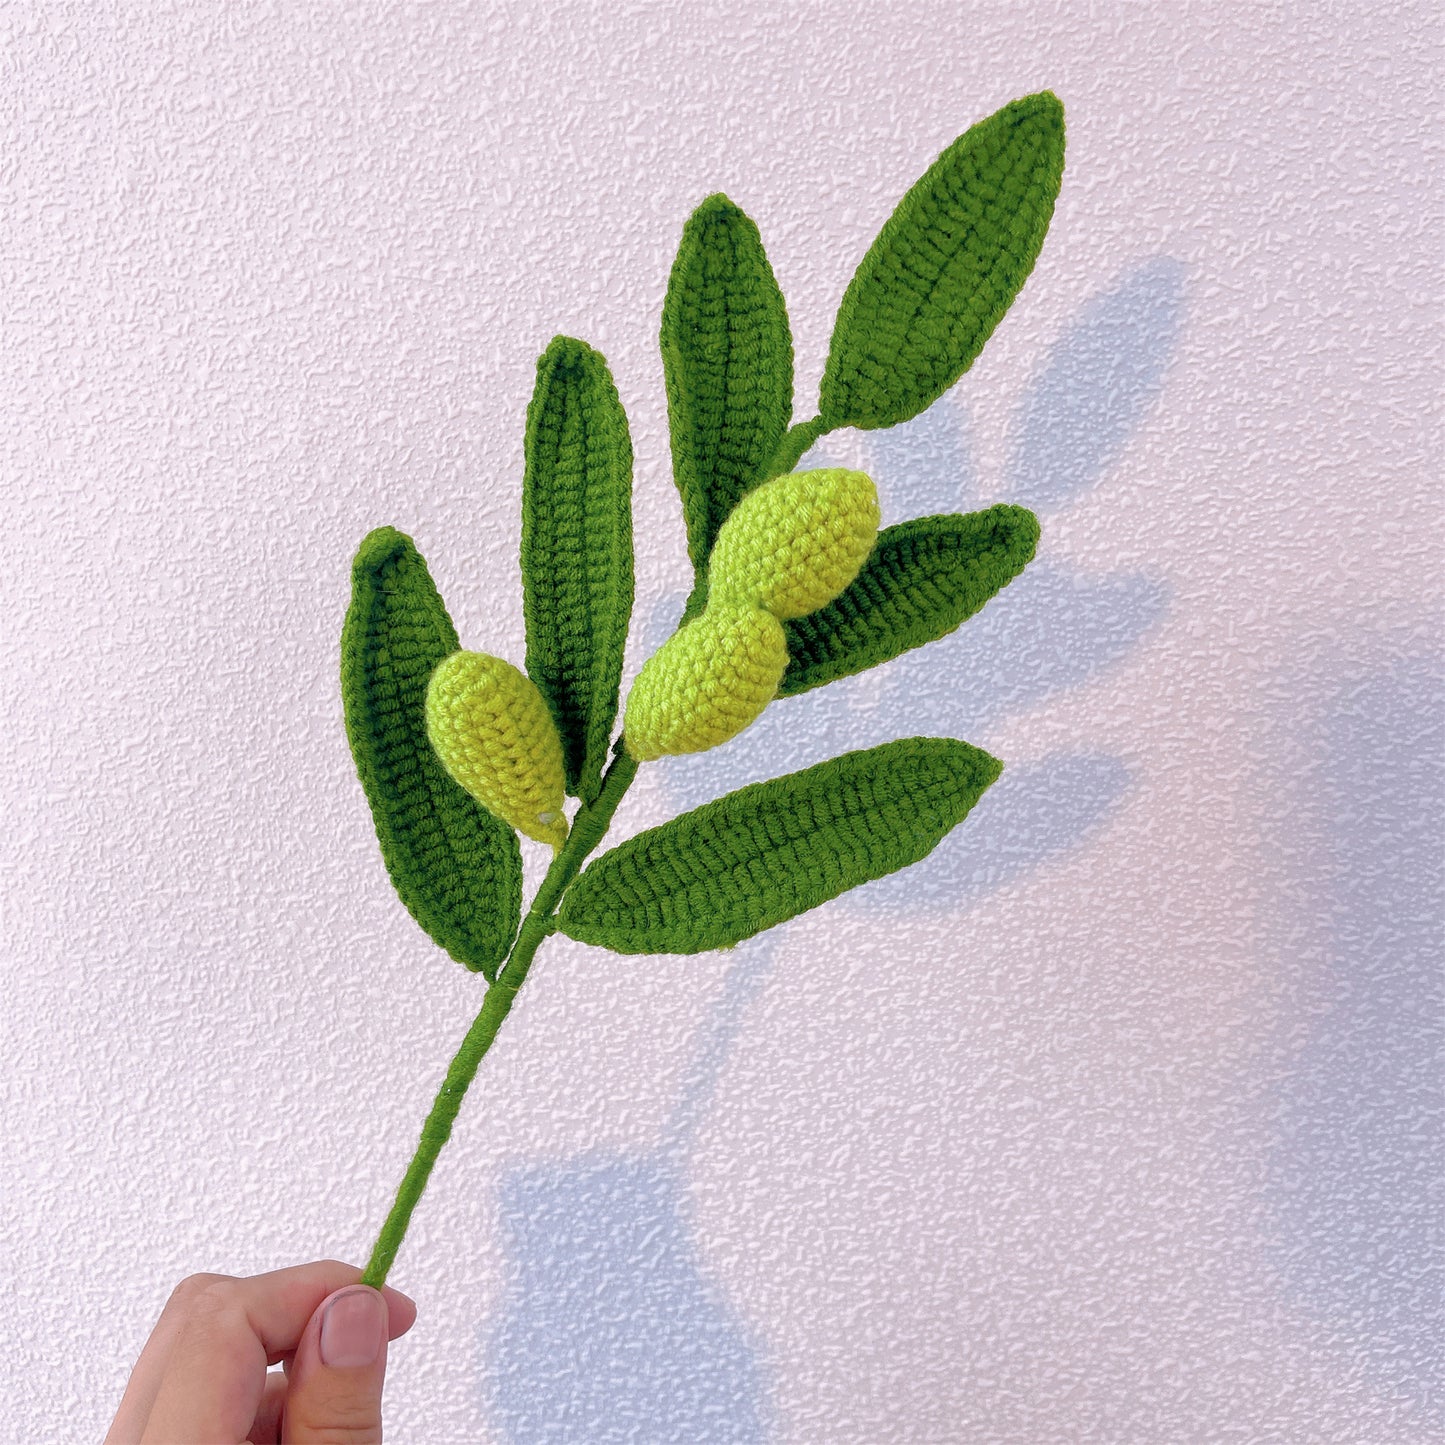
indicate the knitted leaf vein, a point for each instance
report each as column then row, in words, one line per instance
column 577, row 551
column 945, row 267
column 772, row 850
column 457, row 868
column 727, row 356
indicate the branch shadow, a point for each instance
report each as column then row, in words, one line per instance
column 1359, row 1109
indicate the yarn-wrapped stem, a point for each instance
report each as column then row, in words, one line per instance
column 588, row 829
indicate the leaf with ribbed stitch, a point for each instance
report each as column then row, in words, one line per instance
column 457, row 869
column 577, row 551
column 921, row 581
column 727, row 358
column 763, row 854
column 945, row 267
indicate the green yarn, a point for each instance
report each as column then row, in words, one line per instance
column 795, row 542
column 790, row 546
column 921, row 581
column 727, row 359
column 489, row 725
column 712, row 678
column 457, row 869
column 763, row 854
column 577, row 551
column 945, row 267
column 804, row 590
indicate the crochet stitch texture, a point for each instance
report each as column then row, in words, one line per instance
column 711, row 678
column 493, row 733
column 795, row 542
column 455, row 866
column 923, row 579
column 727, row 354
column 792, row 544
column 577, row 551
column 758, row 856
column 793, row 587
column 945, row 267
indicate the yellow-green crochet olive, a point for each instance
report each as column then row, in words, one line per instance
column 795, row 542
column 491, row 729
column 706, row 683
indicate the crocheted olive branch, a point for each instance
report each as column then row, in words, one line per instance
column 794, row 587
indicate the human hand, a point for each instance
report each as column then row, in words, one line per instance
column 202, row 1377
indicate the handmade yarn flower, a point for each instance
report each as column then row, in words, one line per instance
column 459, row 751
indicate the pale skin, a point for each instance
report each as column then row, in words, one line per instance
column 202, row 1378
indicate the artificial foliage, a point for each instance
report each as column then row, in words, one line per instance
column 923, row 578
column 577, row 551
column 727, row 361
column 456, row 866
column 794, row 586
column 767, row 852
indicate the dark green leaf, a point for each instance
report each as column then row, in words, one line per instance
column 769, row 851
column 921, row 581
column 727, row 357
column 577, row 551
column 457, row 868
column 945, row 267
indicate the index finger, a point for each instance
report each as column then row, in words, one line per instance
column 278, row 1305
column 232, row 1321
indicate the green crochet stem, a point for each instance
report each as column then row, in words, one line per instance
column 798, row 438
column 588, row 830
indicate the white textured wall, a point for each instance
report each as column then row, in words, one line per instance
column 1113, row 1121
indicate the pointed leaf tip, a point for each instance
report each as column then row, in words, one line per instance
column 457, row 869
column 770, row 851
column 727, row 355
column 577, row 572
column 946, row 266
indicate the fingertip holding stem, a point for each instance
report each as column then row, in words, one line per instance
column 353, row 1328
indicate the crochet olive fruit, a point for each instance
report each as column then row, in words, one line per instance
column 492, row 731
column 706, row 683
column 793, row 587
column 795, row 542
column 790, row 546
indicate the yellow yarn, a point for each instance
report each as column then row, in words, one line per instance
column 706, row 683
column 491, row 729
column 795, row 542
column 789, row 547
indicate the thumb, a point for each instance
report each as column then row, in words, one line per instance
column 334, row 1395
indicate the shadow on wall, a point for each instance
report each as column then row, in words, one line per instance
column 612, row 1329
column 1360, row 1146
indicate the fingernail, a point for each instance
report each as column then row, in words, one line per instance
column 352, row 1329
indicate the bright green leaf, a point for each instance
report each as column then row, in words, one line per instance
column 756, row 857
column 456, row 867
column 921, row 581
column 577, row 551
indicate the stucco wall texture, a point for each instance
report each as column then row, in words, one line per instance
column 1115, row 1120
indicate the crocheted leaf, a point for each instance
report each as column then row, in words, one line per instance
column 457, row 869
column 577, row 551
column 727, row 357
column 769, row 851
column 920, row 582
column 945, row 267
